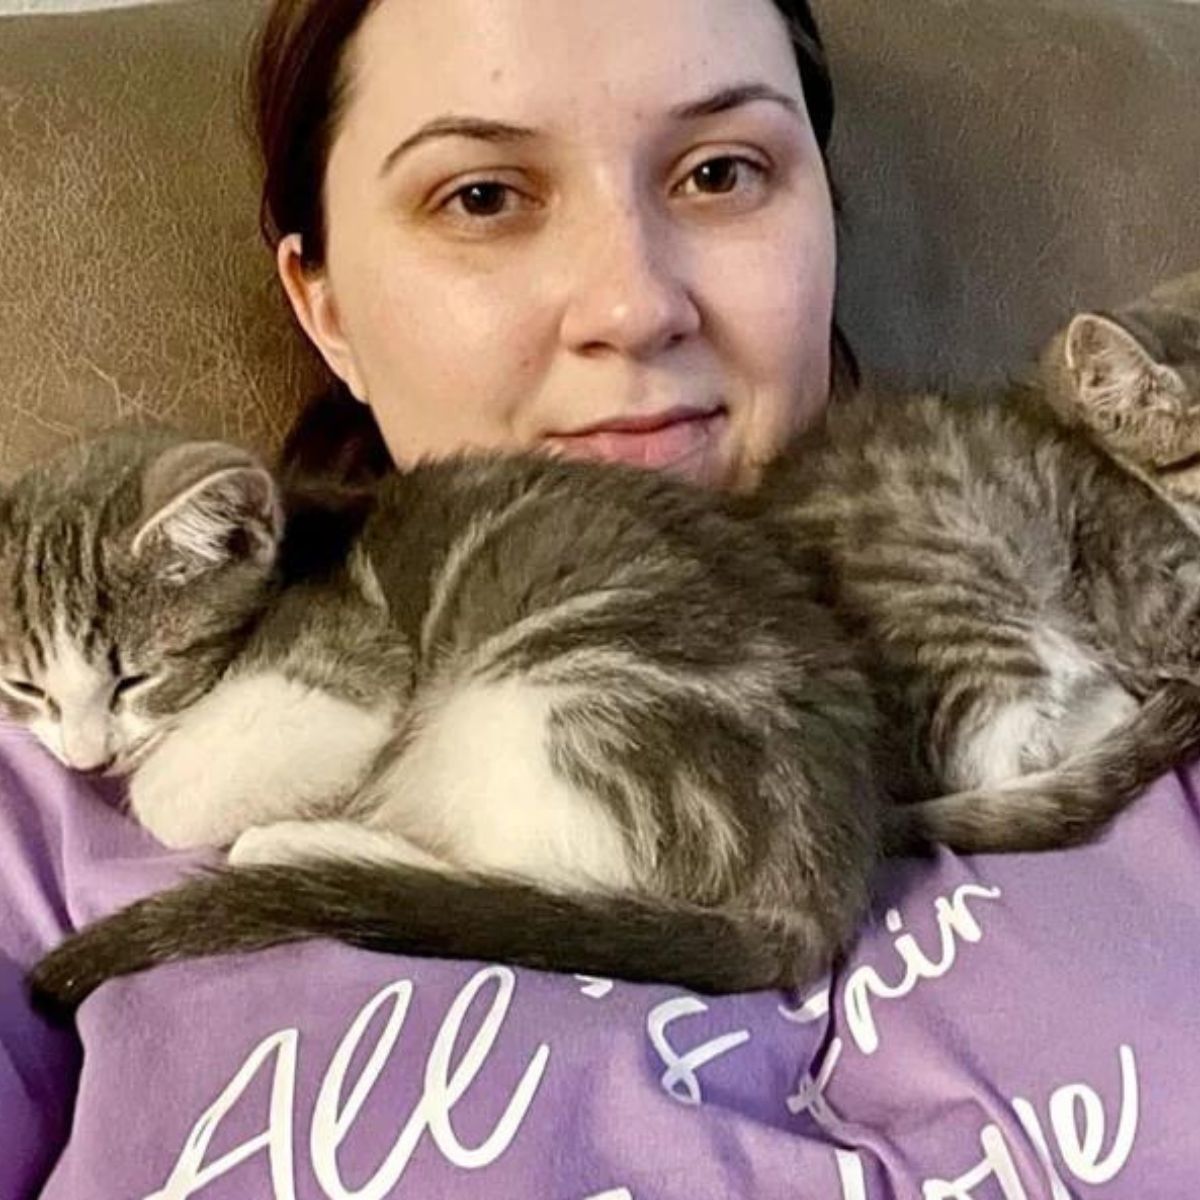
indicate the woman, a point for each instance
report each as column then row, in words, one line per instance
column 611, row 264
column 604, row 230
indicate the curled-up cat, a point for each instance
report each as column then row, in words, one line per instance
column 1030, row 604
column 1132, row 378
column 589, row 720
column 561, row 715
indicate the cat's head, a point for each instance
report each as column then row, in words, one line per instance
column 131, row 570
column 1133, row 378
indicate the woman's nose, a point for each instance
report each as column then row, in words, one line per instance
column 629, row 291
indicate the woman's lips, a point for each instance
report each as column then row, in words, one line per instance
column 679, row 440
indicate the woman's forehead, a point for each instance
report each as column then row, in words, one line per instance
column 542, row 62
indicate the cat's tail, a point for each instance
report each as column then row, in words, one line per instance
column 1068, row 804
column 406, row 910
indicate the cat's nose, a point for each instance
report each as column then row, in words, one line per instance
column 86, row 744
column 99, row 768
column 88, row 756
column 90, row 764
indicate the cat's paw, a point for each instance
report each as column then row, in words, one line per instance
column 304, row 841
column 268, row 844
column 180, row 808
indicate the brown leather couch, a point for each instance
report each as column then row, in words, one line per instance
column 1003, row 161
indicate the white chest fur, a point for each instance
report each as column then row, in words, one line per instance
column 477, row 787
column 258, row 749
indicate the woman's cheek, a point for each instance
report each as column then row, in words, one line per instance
column 448, row 374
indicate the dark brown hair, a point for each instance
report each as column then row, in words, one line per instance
column 296, row 93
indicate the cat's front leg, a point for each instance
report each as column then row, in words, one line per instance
column 258, row 749
column 299, row 841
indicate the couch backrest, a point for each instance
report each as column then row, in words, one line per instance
column 132, row 277
column 1002, row 160
column 1005, row 162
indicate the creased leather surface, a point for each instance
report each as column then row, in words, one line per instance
column 1003, row 161
column 132, row 278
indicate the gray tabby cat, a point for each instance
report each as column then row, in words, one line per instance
column 1030, row 603
column 588, row 720
column 559, row 715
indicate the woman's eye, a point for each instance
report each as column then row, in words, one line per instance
column 484, row 202
column 483, row 199
column 25, row 689
column 723, row 176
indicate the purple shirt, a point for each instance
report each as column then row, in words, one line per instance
column 1007, row 1028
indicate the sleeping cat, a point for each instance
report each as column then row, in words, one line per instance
column 1030, row 603
column 583, row 719
column 561, row 715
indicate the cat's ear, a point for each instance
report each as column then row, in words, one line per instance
column 206, row 505
column 1112, row 370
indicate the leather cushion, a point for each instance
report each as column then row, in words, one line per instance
column 1004, row 161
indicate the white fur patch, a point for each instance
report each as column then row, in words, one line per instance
column 302, row 841
column 1093, row 717
column 476, row 787
column 258, row 749
column 83, row 736
column 1067, row 662
column 1076, row 706
column 993, row 753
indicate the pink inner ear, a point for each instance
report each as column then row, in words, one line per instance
column 1111, row 367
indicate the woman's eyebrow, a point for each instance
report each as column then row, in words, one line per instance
column 482, row 129
column 735, row 96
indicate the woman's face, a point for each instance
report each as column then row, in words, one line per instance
column 600, row 229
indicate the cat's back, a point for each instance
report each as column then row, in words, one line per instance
column 465, row 549
column 924, row 440
column 910, row 505
column 904, row 466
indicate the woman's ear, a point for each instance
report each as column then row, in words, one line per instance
column 316, row 309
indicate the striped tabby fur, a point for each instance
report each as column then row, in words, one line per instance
column 583, row 719
column 568, row 716
column 1030, row 605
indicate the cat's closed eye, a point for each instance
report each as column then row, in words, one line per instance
column 24, row 690
column 128, row 684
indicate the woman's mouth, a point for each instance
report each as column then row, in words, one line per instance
column 681, row 440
